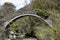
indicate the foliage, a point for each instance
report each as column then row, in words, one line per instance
column 43, row 8
column 19, row 23
column 28, row 24
column 44, row 33
column 45, row 4
column 42, row 13
column 53, row 8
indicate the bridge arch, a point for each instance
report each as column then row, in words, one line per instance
column 22, row 15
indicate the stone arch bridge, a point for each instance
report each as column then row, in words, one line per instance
column 22, row 15
column 26, row 11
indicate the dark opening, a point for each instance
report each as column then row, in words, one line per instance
column 46, row 17
column 27, row 35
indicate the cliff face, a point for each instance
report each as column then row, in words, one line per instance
column 5, row 10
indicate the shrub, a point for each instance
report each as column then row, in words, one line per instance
column 42, row 13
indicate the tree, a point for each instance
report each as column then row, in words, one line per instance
column 8, row 7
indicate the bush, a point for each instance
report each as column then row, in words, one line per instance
column 42, row 13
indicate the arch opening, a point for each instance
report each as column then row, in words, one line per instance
column 23, row 15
